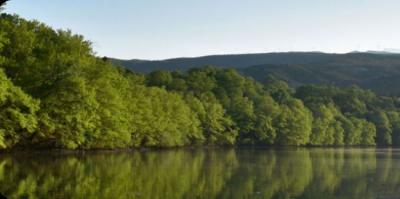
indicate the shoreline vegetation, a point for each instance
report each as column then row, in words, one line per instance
column 56, row 93
column 53, row 151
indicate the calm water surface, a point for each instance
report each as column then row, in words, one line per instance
column 206, row 173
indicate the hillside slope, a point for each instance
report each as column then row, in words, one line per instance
column 226, row 61
column 378, row 72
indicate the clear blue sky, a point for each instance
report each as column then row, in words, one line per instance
column 156, row 29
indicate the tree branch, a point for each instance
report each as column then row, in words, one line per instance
column 3, row 2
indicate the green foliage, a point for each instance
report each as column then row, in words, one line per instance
column 162, row 119
column 88, row 103
column 293, row 124
column 376, row 71
column 217, row 127
column 278, row 89
column 17, row 114
column 327, row 129
column 68, row 114
column 159, row 78
column 347, row 111
column 266, row 111
column 394, row 118
column 36, row 56
column 383, row 128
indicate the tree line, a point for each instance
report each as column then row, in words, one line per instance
column 56, row 93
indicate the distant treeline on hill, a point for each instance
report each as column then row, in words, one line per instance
column 55, row 93
column 379, row 72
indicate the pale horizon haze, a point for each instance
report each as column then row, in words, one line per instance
column 160, row 29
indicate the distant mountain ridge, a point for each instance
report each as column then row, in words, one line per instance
column 225, row 61
column 375, row 70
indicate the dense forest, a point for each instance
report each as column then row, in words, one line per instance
column 56, row 93
column 377, row 71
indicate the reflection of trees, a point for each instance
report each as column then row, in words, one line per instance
column 165, row 174
column 353, row 173
column 270, row 176
column 292, row 173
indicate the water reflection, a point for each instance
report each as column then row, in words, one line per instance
column 223, row 173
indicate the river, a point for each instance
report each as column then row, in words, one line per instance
column 204, row 173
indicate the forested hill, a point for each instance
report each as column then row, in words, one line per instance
column 55, row 93
column 379, row 72
column 226, row 61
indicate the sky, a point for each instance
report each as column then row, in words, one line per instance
column 159, row 29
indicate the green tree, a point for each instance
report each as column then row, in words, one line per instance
column 159, row 78
column 278, row 89
column 394, row 118
column 266, row 111
column 326, row 129
column 368, row 135
column 383, row 128
column 68, row 116
column 17, row 114
column 217, row 126
column 162, row 119
column 293, row 124
column 37, row 57
column 201, row 80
